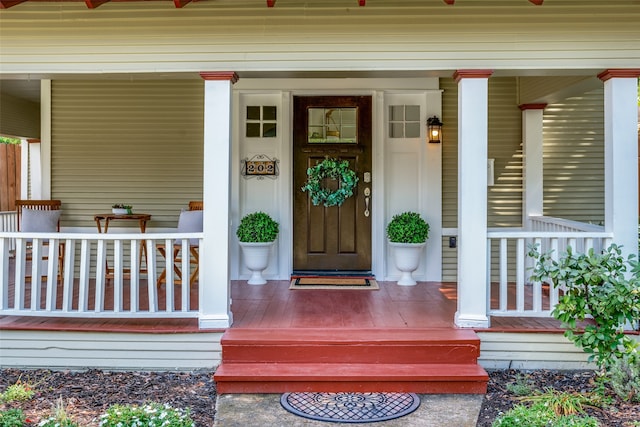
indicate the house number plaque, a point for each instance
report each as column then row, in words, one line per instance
column 260, row 166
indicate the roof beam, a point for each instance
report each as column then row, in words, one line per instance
column 6, row 4
column 92, row 4
column 181, row 3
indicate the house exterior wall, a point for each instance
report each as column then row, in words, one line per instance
column 132, row 142
column 574, row 158
column 54, row 37
column 18, row 117
column 185, row 352
column 115, row 351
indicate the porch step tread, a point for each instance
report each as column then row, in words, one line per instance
column 410, row 346
column 336, row 377
column 348, row 372
column 252, row 336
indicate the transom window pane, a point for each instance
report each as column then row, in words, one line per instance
column 261, row 121
column 333, row 125
column 404, row 121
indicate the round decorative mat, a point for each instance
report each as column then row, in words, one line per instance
column 350, row 407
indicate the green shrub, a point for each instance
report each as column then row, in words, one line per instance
column 595, row 286
column 257, row 227
column 623, row 376
column 18, row 392
column 560, row 402
column 539, row 415
column 408, row 227
column 521, row 386
column 12, row 418
column 150, row 415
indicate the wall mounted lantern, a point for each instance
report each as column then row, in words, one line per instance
column 434, row 129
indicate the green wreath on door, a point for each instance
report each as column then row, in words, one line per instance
column 333, row 169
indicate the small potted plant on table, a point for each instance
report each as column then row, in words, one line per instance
column 407, row 233
column 257, row 232
column 121, row 209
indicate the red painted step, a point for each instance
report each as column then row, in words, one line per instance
column 306, row 359
column 350, row 345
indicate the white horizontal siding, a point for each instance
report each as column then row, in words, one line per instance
column 80, row 350
column 530, row 351
column 134, row 142
column 318, row 35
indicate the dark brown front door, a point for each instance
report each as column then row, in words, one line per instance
column 338, row 237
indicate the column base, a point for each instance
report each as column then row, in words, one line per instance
column 215, row 321
column 471, row 321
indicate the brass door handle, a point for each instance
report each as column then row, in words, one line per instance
column 367, row 193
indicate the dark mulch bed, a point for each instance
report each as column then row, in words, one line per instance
column 88, row 394
column 500, row 399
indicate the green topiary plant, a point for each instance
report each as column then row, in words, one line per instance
column 257, row 227
column 408, row 227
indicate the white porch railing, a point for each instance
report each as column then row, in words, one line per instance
column 513, row 294
column 9, row 222
column 104, row 275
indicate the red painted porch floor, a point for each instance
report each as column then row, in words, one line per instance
column 426, row 305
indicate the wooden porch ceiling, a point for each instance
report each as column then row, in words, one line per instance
column 92, row 4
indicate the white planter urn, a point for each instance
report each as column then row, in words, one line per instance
column 256, row 258
column 407, row 260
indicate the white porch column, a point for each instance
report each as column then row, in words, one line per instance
column 215, row 284
column 621, row 153
column 472, row 197
column 532, row 171
column 532, row 148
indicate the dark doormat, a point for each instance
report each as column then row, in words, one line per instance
column 350, row 407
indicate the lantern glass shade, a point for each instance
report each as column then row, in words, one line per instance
column 434, row 130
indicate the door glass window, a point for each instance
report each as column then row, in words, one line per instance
column 261, row 121
column 404, row 121
column 333, row 125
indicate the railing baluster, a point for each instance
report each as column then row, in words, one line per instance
column 52, row 275
column 118, row 275
column 520, row 273
column 503, row 275
column 134, row 278
column 152, row 280
column 169, row 282
column 4, row 273
column 100, row 275
column 83, row 286
column 186, row 274
column 21, row 268
column 69, row 264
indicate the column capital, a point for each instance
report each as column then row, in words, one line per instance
column 471, row 74
column 524, row 107
column 220, row 75
column 619, row 72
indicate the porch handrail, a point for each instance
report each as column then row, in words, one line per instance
column 549, row 223
column 84, row 285
column 513, row 294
